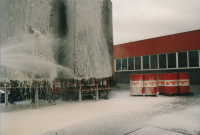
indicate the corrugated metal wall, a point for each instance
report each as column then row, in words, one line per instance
column 166, row 44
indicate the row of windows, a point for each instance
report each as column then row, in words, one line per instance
column 160, row 61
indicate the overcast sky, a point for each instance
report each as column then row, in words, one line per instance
column 135, row 20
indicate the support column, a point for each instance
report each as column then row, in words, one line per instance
column 6, row 97
column 66, row 90
column 30, row 90
column 46, row 90
column 20, row 91
column 43, row 91
column 25, row 91
column 49, row 92
column 97, row 90
column 53, row 90
column 36, row 96
column 79, row 84
column 61, row 82
column 11, row 94
column 107, row 89
column 40, row 96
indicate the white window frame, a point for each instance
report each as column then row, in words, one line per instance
column 150, row 61
column 115, row 64
column 127, row 63
column 178, row 60
column 158, row 61
column 121, row 64
column 158, row 64
column 133, row 58
column 142, row 62
column 199, row 57
column 177, row 66
column 188, row 59
column 166, row 60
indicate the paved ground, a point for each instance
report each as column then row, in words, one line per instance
column 121, row 114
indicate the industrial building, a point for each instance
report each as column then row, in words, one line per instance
column 167, row 54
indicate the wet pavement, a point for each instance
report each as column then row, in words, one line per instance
column 121, row 114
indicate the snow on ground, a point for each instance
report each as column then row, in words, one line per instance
column 119, row 115
column 185, row 121
column 148, row 130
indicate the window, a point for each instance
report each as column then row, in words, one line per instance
column 154, row 62
column 193, row 59
column 137, row 62
column 182, row 59
column 171, row 60
column 130, row 63
column 162, row 61
column 124, row 64
column 145, row 62
column 118, row 64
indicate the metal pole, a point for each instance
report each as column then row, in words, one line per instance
column 49, row 92
column 25, row 90
column 79, row 83
column 20, row 89
column 40, row 96
column 97, row 91
column 46, row 90
column 107, row 89
column 61, row 82
column 10, row 93
column 36, row 96
column 6, row 97
column 66, row 88
column 30, row 89
column 33, row 100
column 53, row 90
column 43, row 91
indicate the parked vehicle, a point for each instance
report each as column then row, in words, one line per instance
column 15, row 95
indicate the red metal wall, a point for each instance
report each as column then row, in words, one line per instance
column 172, row 43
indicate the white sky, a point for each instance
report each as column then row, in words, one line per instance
column 135, row 20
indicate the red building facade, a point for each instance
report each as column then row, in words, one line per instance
column 172, row 53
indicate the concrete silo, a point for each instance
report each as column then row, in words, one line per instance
column 61, row 41
column 87, row 45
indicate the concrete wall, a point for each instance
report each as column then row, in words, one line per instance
column 124, row 77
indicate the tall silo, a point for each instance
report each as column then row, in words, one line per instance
column 28, row 27
column 88, row 45
column 79, row 32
